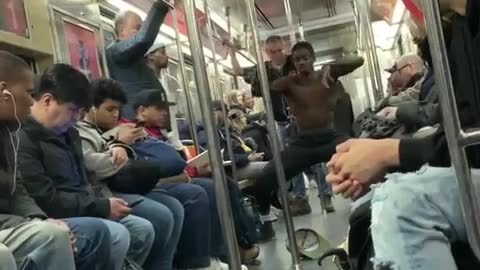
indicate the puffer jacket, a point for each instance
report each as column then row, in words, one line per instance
column 16, row 206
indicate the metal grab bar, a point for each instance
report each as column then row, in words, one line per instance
column 265, row 87
column 216, row 161
column 183, row 76
column 220, row 92
column 457, row 139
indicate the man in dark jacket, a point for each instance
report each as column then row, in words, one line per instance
column 26, row 233
column 126, row 57
column 51, row 162
column 416, row 216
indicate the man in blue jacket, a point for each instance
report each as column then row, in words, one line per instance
column 126, row 57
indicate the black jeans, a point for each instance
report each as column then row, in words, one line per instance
column 306, row 149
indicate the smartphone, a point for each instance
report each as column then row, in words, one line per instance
column 140, row 124
column 135, row 202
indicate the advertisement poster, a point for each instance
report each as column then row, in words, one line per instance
column 13, row 18
column 82, row 48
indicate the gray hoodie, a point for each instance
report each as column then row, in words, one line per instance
column 96, row 151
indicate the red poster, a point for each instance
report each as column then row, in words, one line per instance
column 181, row 21
column 13, row 18
column 82, row 48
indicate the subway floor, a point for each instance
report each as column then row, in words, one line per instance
column 274, row 254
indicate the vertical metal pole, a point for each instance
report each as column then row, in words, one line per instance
column 216, row 82
column 291, row 28
column 229, row 29
column 456, row 138
column 265, row 87
column 216, row 160
column 186, row 90
column 364, row 12
column 301, row 30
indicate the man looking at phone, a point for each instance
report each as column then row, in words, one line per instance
column 52, row 164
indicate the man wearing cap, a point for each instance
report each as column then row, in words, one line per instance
column 125, row 57
column 404, row 81
column 157, row 60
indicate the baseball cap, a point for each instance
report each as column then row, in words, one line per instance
column 151, row 97
column 157, row 45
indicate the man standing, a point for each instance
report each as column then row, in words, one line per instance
column 157, row 59
column 125, row 57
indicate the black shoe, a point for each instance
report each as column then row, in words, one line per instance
column 327, row 204
column 265, row 231
column 300, row 207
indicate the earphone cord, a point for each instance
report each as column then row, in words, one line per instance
column 15, row 146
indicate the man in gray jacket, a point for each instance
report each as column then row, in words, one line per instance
column 125, row 57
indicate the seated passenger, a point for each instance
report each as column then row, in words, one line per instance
column 406, row 76
column 311, row 97
column 416, row 216
column 200, row 238
column 27, row 235
column 51, row 161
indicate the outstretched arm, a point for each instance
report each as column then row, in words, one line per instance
column 138, row 45
column 281, row 85
column 345, row 65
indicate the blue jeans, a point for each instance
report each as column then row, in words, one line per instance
column 244, row 236
column 415, row 217
column 166, row 215
column 324, row 188
column 131, row 236
column 197, row 239
column 93, row 243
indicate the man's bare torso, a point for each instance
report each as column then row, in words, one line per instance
column 311, row 102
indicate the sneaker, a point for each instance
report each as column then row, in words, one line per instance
column 216, row 264
column 265, row 231
column 300, row 207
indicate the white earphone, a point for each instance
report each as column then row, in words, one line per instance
column 12, row 140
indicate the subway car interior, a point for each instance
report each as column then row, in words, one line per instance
column 273, row 134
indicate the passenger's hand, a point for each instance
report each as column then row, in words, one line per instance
column 204, row 171
column 63, row 226
column 256, row 157
column 119, row 156
column 348, row 188
column 388, row 113
column 118, row 208
column 129, row 134
column 365, row 160
column 326, row 76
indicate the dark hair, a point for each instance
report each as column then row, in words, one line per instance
column 150, row 97
column 65, row 84
column 12, row 67
column 273, row 39
column 303, row 45
column 289, row 66
column 103, row 89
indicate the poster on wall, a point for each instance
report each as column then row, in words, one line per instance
column 82, row 48
column 13, row 18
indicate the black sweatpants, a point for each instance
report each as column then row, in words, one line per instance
column 306, row 149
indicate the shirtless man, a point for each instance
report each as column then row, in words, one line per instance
column 312, row 97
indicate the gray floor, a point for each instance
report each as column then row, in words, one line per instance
column 274, row 255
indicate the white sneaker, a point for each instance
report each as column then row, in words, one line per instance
column 216, row 264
